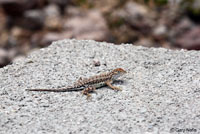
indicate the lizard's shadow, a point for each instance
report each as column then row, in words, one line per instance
column 119, row 82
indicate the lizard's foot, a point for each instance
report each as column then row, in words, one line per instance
column 87, row 91
column 112, row 87
column 116, row 88
column 87, row 94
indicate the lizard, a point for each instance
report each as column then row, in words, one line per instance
column 91, row 84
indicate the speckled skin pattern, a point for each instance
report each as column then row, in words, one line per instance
column 90, row 84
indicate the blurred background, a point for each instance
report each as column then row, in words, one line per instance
column 31, row 24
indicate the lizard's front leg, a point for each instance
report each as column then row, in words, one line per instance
column 108, row 83
column 87, row 91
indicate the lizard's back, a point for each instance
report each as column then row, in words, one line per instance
column 97, row 81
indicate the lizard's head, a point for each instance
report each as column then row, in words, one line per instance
column 118, row 72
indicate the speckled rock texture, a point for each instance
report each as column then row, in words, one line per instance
column 161, row 91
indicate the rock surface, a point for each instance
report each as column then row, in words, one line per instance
column 161, row 91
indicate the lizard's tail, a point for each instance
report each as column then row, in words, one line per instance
column 54, row 90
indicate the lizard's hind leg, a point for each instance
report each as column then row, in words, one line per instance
column 88, row 90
